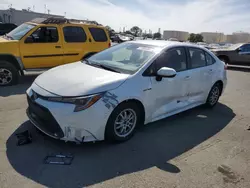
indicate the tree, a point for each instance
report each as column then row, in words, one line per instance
column 136, row 30
column 157, row 35
column 129, row 32
column 110, row 30
column 195, row 37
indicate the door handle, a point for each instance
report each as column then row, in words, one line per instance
column 187, row 77
column 57, row 46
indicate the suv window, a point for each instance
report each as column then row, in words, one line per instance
column 209, row 59
column 245, row 48
column 197, row 57
column 98, row 34
column 74, row 34
column 174, row 58
column 45, row 35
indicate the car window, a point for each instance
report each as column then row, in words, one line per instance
column 45, row 35
column 98, row 34
column 173, row 58
column 74, row 34
column 197, row 57
column 245, row 48
column 209, row 59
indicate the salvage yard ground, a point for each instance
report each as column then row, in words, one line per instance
column 200, row 148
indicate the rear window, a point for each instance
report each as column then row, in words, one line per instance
column 98, row 34
column 74, row 34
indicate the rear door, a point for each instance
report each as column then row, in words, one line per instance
column 42, row 48
column 75, row 43
column 99, row 38
column 199, row 75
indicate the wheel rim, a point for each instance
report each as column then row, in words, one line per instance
column 125, row 122
column 214, row 96
column 5, row 76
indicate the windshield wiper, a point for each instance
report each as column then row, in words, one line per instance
column 100, row 65
column 108, row 68
column 9, row 37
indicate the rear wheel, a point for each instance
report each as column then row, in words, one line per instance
column 214, row 95
column 8, row 74
column 224, row 59
column 122, row 122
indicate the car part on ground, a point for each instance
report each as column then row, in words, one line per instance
column 23, row 138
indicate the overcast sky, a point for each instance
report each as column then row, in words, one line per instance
column 187, row 15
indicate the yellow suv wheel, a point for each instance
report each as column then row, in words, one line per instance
column 8, row 74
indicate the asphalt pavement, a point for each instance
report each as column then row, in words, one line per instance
column 200, row 148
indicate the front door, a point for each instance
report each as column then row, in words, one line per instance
column 244, row 55
column 42, row 48
column 169, row 95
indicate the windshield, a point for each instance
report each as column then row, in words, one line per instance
column 125, row 58
column 20, row 31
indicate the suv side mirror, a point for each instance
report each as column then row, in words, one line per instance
column 166, row 72
column 29, row 39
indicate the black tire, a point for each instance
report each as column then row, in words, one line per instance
column 224, row 59
column 211, row 99
column 5, row 65
column 110, row 133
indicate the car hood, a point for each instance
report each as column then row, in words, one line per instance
column 79, row 79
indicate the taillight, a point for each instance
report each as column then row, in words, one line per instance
column 109, row 44
column 225, row 67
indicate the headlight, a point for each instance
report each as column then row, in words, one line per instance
column 81, row 103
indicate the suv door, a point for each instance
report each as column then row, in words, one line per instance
column 75, row 43
column 99, row 38
column 244, row 54
column 42, row 48
column 169, row 95
column 200, row 74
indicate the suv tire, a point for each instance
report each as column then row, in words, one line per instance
column 8, row 74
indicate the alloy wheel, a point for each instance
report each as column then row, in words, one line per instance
column 125, row 122
column 214, row 95
column 5, row 76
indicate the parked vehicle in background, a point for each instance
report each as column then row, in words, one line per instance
column 45, row 43
column 108, row 95
column 237, row 54
column 6, row 28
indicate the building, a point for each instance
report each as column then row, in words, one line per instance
column 20, row 16
column 180, row 35
column 240, row 37
column 213, row 37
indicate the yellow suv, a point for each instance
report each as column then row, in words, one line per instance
column 45, row 43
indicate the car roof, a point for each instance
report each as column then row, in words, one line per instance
column 164, row 44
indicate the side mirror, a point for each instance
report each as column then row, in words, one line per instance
column 166, row 72
column 29, row 39
column 239, row 49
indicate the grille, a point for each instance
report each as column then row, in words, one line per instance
column 44, row 119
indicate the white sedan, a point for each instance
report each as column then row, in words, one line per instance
column 110, row 94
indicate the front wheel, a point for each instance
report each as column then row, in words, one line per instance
column 122, row 122
column 8, row 74
column 214, row 95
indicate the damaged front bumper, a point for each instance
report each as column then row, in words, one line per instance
column 59, row 121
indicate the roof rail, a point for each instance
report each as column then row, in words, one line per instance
column 61, row 20
column 53, row 20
